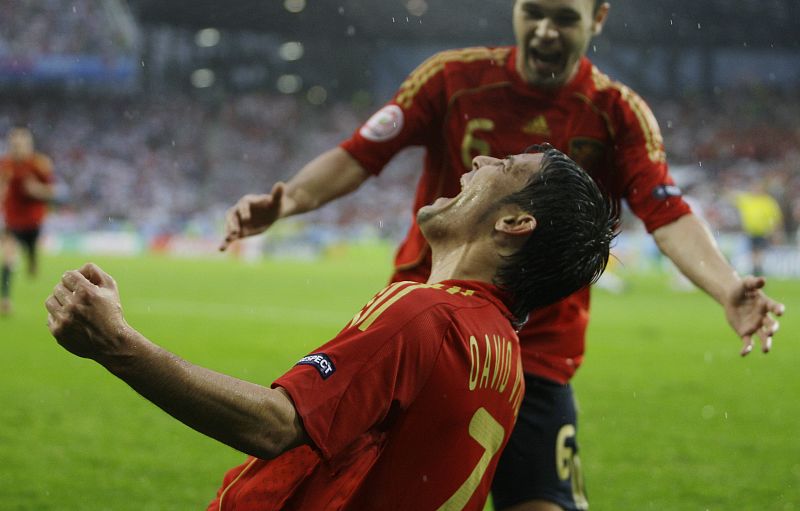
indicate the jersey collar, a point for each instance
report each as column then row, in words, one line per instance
column 500, row 298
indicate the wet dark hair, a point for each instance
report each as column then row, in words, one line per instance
column 569, row 248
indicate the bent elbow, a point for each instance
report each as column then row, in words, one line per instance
column 279, row 430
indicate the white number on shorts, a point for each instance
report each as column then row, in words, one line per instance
column 568, row 463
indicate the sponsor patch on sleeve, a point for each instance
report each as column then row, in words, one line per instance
column 384, row 124
column 662, row 192
column 321, row 362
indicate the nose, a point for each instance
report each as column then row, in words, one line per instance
column 480, row 161
column 546, row 29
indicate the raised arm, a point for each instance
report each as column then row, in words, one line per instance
column 329, row 176
column 689, row 244
column 85, row 317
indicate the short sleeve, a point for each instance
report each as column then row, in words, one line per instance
column 413, row 117
column 360, row 380
column 640, row 157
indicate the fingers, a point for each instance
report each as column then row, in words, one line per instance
column 752, row 283
column 72, row 280
column 89, row 273
column 62, row 295
column 747, row 347
column 235, row 217
column 277, row 192
column 232, row 228
column 96, row 276
column 769, row 329
column 243, row 208
column 52, row 305
column 240, row 221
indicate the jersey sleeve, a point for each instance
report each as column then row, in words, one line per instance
column 414, row 116
column 640, row 158
column 361, row 379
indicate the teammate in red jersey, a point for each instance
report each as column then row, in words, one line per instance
column 409, row 406
column 26, row 184
column 494, row 101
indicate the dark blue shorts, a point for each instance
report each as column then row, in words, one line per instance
column 541, row 459
column 26, row 237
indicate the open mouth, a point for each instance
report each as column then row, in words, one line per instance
column 545, row 62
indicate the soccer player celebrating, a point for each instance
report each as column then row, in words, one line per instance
column 26, row 184
column 491, row 101
column 409, row 406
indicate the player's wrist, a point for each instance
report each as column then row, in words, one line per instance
column 126, row 349
column 294, row 203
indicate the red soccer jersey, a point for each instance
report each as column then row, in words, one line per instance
column 20, row 210
column 462, row 103
column 408, row 408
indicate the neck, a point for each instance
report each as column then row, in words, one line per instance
column 464, row 262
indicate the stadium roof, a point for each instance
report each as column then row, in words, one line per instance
column 751, row 23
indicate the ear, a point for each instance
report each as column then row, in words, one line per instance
column 600, row 18
column 516, row 225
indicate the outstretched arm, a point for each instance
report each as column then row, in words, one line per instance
column 329, row 176
column 689, row 244
column 85, row 317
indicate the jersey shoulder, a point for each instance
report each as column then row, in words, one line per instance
column 467, row 66
column 607, row 91
column 626, row 111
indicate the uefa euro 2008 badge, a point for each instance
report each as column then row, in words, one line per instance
column 384, row 124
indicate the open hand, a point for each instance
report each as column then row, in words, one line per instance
column 752, row 313
column 252, row 214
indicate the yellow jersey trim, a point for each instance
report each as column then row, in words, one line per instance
column 428, row 69
column 647, row 122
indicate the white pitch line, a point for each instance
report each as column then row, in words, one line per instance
column 231, row 311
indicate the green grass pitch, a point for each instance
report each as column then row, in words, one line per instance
column 671, row 417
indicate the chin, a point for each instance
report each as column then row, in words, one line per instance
column 547, row 82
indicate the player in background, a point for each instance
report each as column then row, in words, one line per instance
column 493, row 101
column 26, row 184
column 409, row 406
column 761, row 219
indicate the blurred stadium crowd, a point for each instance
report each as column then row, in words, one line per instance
column 161, row 165
column 31, row 29
column 170, row 164
column 173, row 165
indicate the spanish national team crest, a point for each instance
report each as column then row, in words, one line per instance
column 587, row 152
column 385, row 124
